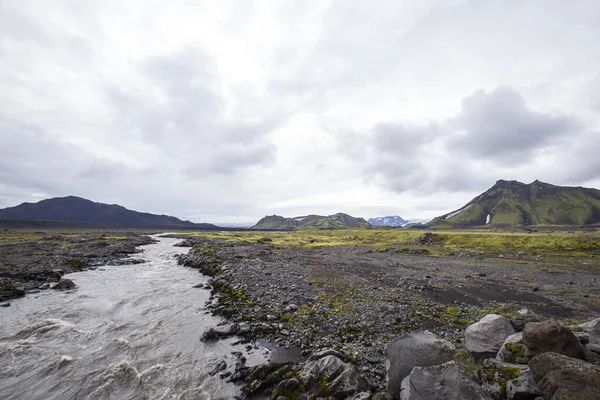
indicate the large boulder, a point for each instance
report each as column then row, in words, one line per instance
column 440, row 382
column 550, row 336
column 483, row 339
column 330, row 376
column 564, row 378
column 513, row 350
column 416, row 349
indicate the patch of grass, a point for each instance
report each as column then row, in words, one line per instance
column 75, row 263
column 490, row 242
column 466, row 362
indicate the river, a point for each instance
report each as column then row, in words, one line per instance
column 127, row 332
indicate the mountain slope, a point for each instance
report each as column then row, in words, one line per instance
column 76, row 209
column 336, row 221
column 512, row 203
column 392, row 220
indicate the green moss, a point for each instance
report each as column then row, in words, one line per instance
column 502, row 375
column 466, row 362
column 517, row 349
column 75, row 263
column 561, row 244
column 289, row 393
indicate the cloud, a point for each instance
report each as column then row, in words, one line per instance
column 500, row 126
column 494, row 134
column 217, row 111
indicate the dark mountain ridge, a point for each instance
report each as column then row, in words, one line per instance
column 78, row 210
column 512, row 203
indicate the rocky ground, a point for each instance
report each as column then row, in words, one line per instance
column 357, row 299
column 31, row 261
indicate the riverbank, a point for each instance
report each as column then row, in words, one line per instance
column 357, row 299
column 36, row 260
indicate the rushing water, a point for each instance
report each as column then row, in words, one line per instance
column 128, row 332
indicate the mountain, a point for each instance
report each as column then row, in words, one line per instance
column 512, row 203
column 77, row 210
column 393, row 220
column 336, row 221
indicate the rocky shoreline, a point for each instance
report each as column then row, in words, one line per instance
column 30, row 262
column 343, row 307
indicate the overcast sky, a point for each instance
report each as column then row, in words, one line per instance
column 226, row 111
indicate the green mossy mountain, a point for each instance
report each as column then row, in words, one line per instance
column 336, row 221
column 512, row 203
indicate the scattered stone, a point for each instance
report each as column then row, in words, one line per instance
column 483, row 339
column 221, row 366
column 565, row 378
column 199, row 286
column 5, row 305
column 416, row 349
column 440, row 382
column 550, row 336
column 65, row 284
column 291, row 308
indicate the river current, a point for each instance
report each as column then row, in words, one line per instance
column 127, row 332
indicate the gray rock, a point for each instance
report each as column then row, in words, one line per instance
column 416, row 349
column 288, row 388
column 592, row 353
column 587, row 326
column 550, row 336
column 341, row 378
column 440, row 382
column 382, row 396
column 523, row 387
column 564, row 378
column 65, row 284
column 525, row 316
column 512, row 350
column 327, row 352
column 291, row 308
column 326, row 367
column 483, row 339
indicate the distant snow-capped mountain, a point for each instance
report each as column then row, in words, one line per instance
column 393, row 220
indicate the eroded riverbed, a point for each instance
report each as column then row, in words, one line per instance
column 127, row 332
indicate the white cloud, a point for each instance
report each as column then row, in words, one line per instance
column 234, row 109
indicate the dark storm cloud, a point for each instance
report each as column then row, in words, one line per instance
column 500, row 126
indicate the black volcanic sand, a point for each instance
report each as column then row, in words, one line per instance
column 32, row 261
column 357, row 300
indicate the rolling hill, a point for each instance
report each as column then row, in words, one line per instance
column 336, row 221
column 512, row 203
column 77, row 210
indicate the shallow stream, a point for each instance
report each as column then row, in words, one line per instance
column 127, row 332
